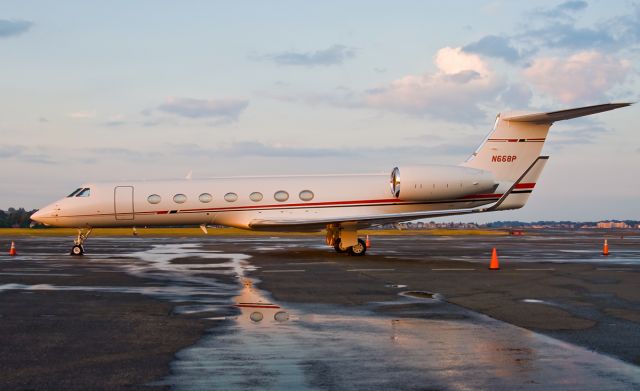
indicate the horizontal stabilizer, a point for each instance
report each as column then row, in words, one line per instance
column 553, row 116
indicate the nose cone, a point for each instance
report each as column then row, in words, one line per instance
column 37, row 217
column 46, row 215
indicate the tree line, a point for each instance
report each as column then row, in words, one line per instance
column 16, row 218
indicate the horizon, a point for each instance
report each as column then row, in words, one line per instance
column 92, row 93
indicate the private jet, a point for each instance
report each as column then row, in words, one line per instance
column 499, row 175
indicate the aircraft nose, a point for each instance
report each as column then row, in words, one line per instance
column 37, row 216
column 46, row 214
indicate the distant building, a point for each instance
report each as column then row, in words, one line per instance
column 612, row 224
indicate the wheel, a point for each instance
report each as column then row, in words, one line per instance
column 77, row 250
column 338, row 247
column 359, row 249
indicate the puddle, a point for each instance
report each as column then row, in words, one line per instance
column 423, row 342
column 422, row 295
column 272, row 346
column 209, row 278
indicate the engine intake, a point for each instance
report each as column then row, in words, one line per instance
column 432, row 182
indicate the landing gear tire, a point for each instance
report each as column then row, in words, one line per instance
column 359, row 249
column 339, row 248
column 77, row 250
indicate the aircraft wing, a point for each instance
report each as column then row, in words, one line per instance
column 365, row 221
column 360, row 221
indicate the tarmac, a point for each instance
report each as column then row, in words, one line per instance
column 418, row 312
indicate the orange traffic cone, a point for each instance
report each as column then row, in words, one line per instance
column 367, row 242
column 605, row 248
column 12, row 250
column 494, row 265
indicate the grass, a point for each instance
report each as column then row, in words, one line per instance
column 233, row 232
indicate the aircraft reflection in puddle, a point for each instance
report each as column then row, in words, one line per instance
column 255, row 308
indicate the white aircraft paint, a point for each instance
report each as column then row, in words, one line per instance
column 500, row 175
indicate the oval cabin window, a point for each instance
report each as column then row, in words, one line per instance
column 230, row 197
column 205, row 197
column 281, row 196
column 179, row 198
column 306, row 195
column 256, row 196
column 154, row 199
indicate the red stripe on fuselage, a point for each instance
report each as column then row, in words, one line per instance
column 382, row 202
column 257, row 305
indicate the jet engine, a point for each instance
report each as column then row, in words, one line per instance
column 432, row 182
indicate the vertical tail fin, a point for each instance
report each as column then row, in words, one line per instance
column 517, row 140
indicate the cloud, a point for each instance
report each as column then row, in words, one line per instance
column 12, row 28
column 579, row 131
column 82, row 114
column 115, row 121
column 557, row 28
column 454, row 92
column 117, row 153
column 517, row 95
column 25, row 154
column 583, row 77
column 265, row 150
column 568, row 36
column 252, row 148
column 563, row 10
column 494, row 46
column 223, row 110
column 341, row 97
column 333, row 55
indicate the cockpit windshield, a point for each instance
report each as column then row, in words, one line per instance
column 76, row 191
column 86, row 192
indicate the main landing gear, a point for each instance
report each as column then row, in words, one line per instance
column 345, row 240
column 78, row 243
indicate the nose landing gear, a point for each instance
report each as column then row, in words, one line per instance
column 78, row 243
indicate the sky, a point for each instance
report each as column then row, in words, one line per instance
column 123, row 90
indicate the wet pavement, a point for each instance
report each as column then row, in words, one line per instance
column 286, row 312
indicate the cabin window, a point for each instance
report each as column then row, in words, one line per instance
column 179, row 198
column 205, row 197
column 256, row 196
column 154, row 199
column 231, row 197
column 306, row 195
column 86, row 192
column 76, row 191
column 281, row 196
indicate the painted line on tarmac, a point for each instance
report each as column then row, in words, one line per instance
column 39, row 274
column 451, row 270
column 371, row 270
column 310, row 263
column 616, row 269
column 26, row 269
column 285, row 271
column 536, row 269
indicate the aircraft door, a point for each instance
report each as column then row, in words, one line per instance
column 123, row 202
